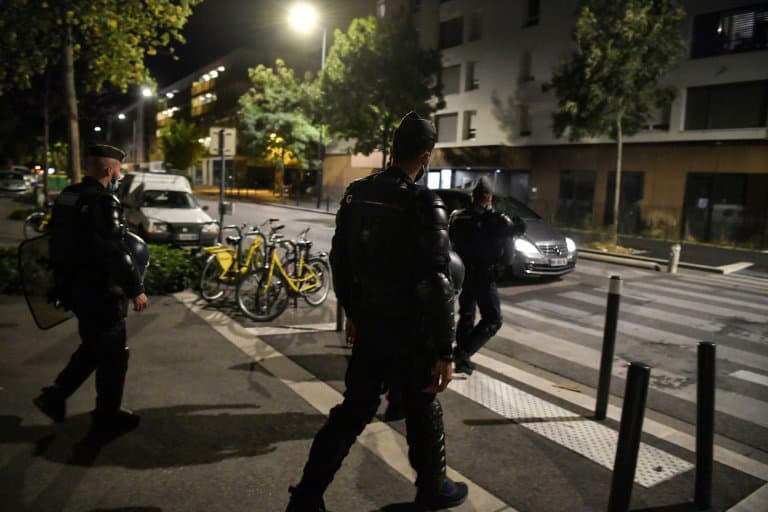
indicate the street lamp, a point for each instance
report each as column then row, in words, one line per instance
column 303, row 18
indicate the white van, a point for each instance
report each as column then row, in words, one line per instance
column 161, row 209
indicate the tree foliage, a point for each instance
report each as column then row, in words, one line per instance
column 110, row 38
column 375, row 73
column 276, row 115
column 105, row 40
column 179, row 144
column 612, row 83
column 623, row 50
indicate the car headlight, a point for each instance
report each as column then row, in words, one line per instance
column 524, row 246
column 155, row 227
column 211, row 227
column 570, row 244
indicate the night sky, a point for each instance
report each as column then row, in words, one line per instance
column 217, row 27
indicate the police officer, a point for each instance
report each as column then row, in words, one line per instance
column 478, row 235
column 391, row 274
column 96, row 275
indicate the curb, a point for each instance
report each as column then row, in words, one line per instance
column 657, row 264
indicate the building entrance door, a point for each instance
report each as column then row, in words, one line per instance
column 714, row 207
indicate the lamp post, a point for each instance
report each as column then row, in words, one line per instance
column 304, row 18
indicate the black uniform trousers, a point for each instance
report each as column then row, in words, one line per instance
column 479, row 291
column 382, row 357
column 103, row 348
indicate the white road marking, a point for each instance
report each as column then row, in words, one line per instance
column 501, row 364
column 734, row 404
column 748, row 376
column 588, row 438
column 706, row 296
column 755, row 502
column 378, row 437
column 735, row 267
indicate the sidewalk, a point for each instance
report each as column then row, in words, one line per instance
column 229, row 409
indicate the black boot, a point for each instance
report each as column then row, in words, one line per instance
column 452, row 494
column 300, row 503
column 52, row 403
column 462, row 364
column 118, row 422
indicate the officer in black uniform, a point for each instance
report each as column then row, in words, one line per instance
column 96, row 274
column 478, row 235
column 391, row 274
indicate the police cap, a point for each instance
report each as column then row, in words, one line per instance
column 106, row 151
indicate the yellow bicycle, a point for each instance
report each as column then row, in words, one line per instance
column 264, row 294
column 226, row 265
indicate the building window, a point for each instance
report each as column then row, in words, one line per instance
column 714, row 107
column 524, row 120
column 526, row 65
column 726, row 32
column 446, row 127
column 475, row 26
column 450, row 77
column 203, row 104
column 470, row 131
column 659, row 119
column 451, row 32
column 532, row 13
column 575, row 199
column 472, row 81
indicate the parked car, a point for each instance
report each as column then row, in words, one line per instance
column 12, row 181
column 161, row 209
column 540, row 250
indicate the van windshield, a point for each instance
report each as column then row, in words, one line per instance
column 167, row 199
column 513, row 207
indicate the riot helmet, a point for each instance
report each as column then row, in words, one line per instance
column 481, row 188
column 412, row 137
column 138, row 250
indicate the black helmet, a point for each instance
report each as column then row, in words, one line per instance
column 413, row 136
column 138, row 250
column 456, row 268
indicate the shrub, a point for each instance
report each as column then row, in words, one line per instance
column 171, row 270
column 10, row 282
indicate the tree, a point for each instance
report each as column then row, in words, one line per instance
column 179, row 144
column 107, row 39
column 276, row 116
column 611, row 84
column 374, row 74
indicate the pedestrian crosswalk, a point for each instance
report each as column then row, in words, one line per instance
column 662, row 318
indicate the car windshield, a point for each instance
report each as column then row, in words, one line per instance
column 12, row 176
column 513, row 207
column 168, row 199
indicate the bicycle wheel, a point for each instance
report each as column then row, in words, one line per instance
column 321, row 285
column 32, row 225
column 211, row 285
column 259, row 301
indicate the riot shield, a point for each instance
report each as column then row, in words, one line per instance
column 38, row 284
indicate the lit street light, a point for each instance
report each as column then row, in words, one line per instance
column 304, row 18
column 121, row 116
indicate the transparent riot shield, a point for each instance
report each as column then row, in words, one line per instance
column 38, row 284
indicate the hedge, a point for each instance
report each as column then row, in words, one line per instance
column 171, row 269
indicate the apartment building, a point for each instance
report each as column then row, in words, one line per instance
column 700, row 169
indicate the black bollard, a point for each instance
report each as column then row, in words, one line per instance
column 609, row 342
column 339, row 316
column 630, row 429
column 705, row 425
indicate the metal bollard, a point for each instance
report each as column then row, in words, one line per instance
column 630, row 429
column 705, row 425
column 609, row 343
column 339, row 317
column 674, row 258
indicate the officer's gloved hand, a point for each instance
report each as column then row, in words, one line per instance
column 350, row 332
column 442, row 374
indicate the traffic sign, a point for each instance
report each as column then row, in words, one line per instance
column 230, row 141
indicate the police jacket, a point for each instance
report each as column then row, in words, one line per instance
column 390, row 258
column 87, row 249
column 479, row 236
